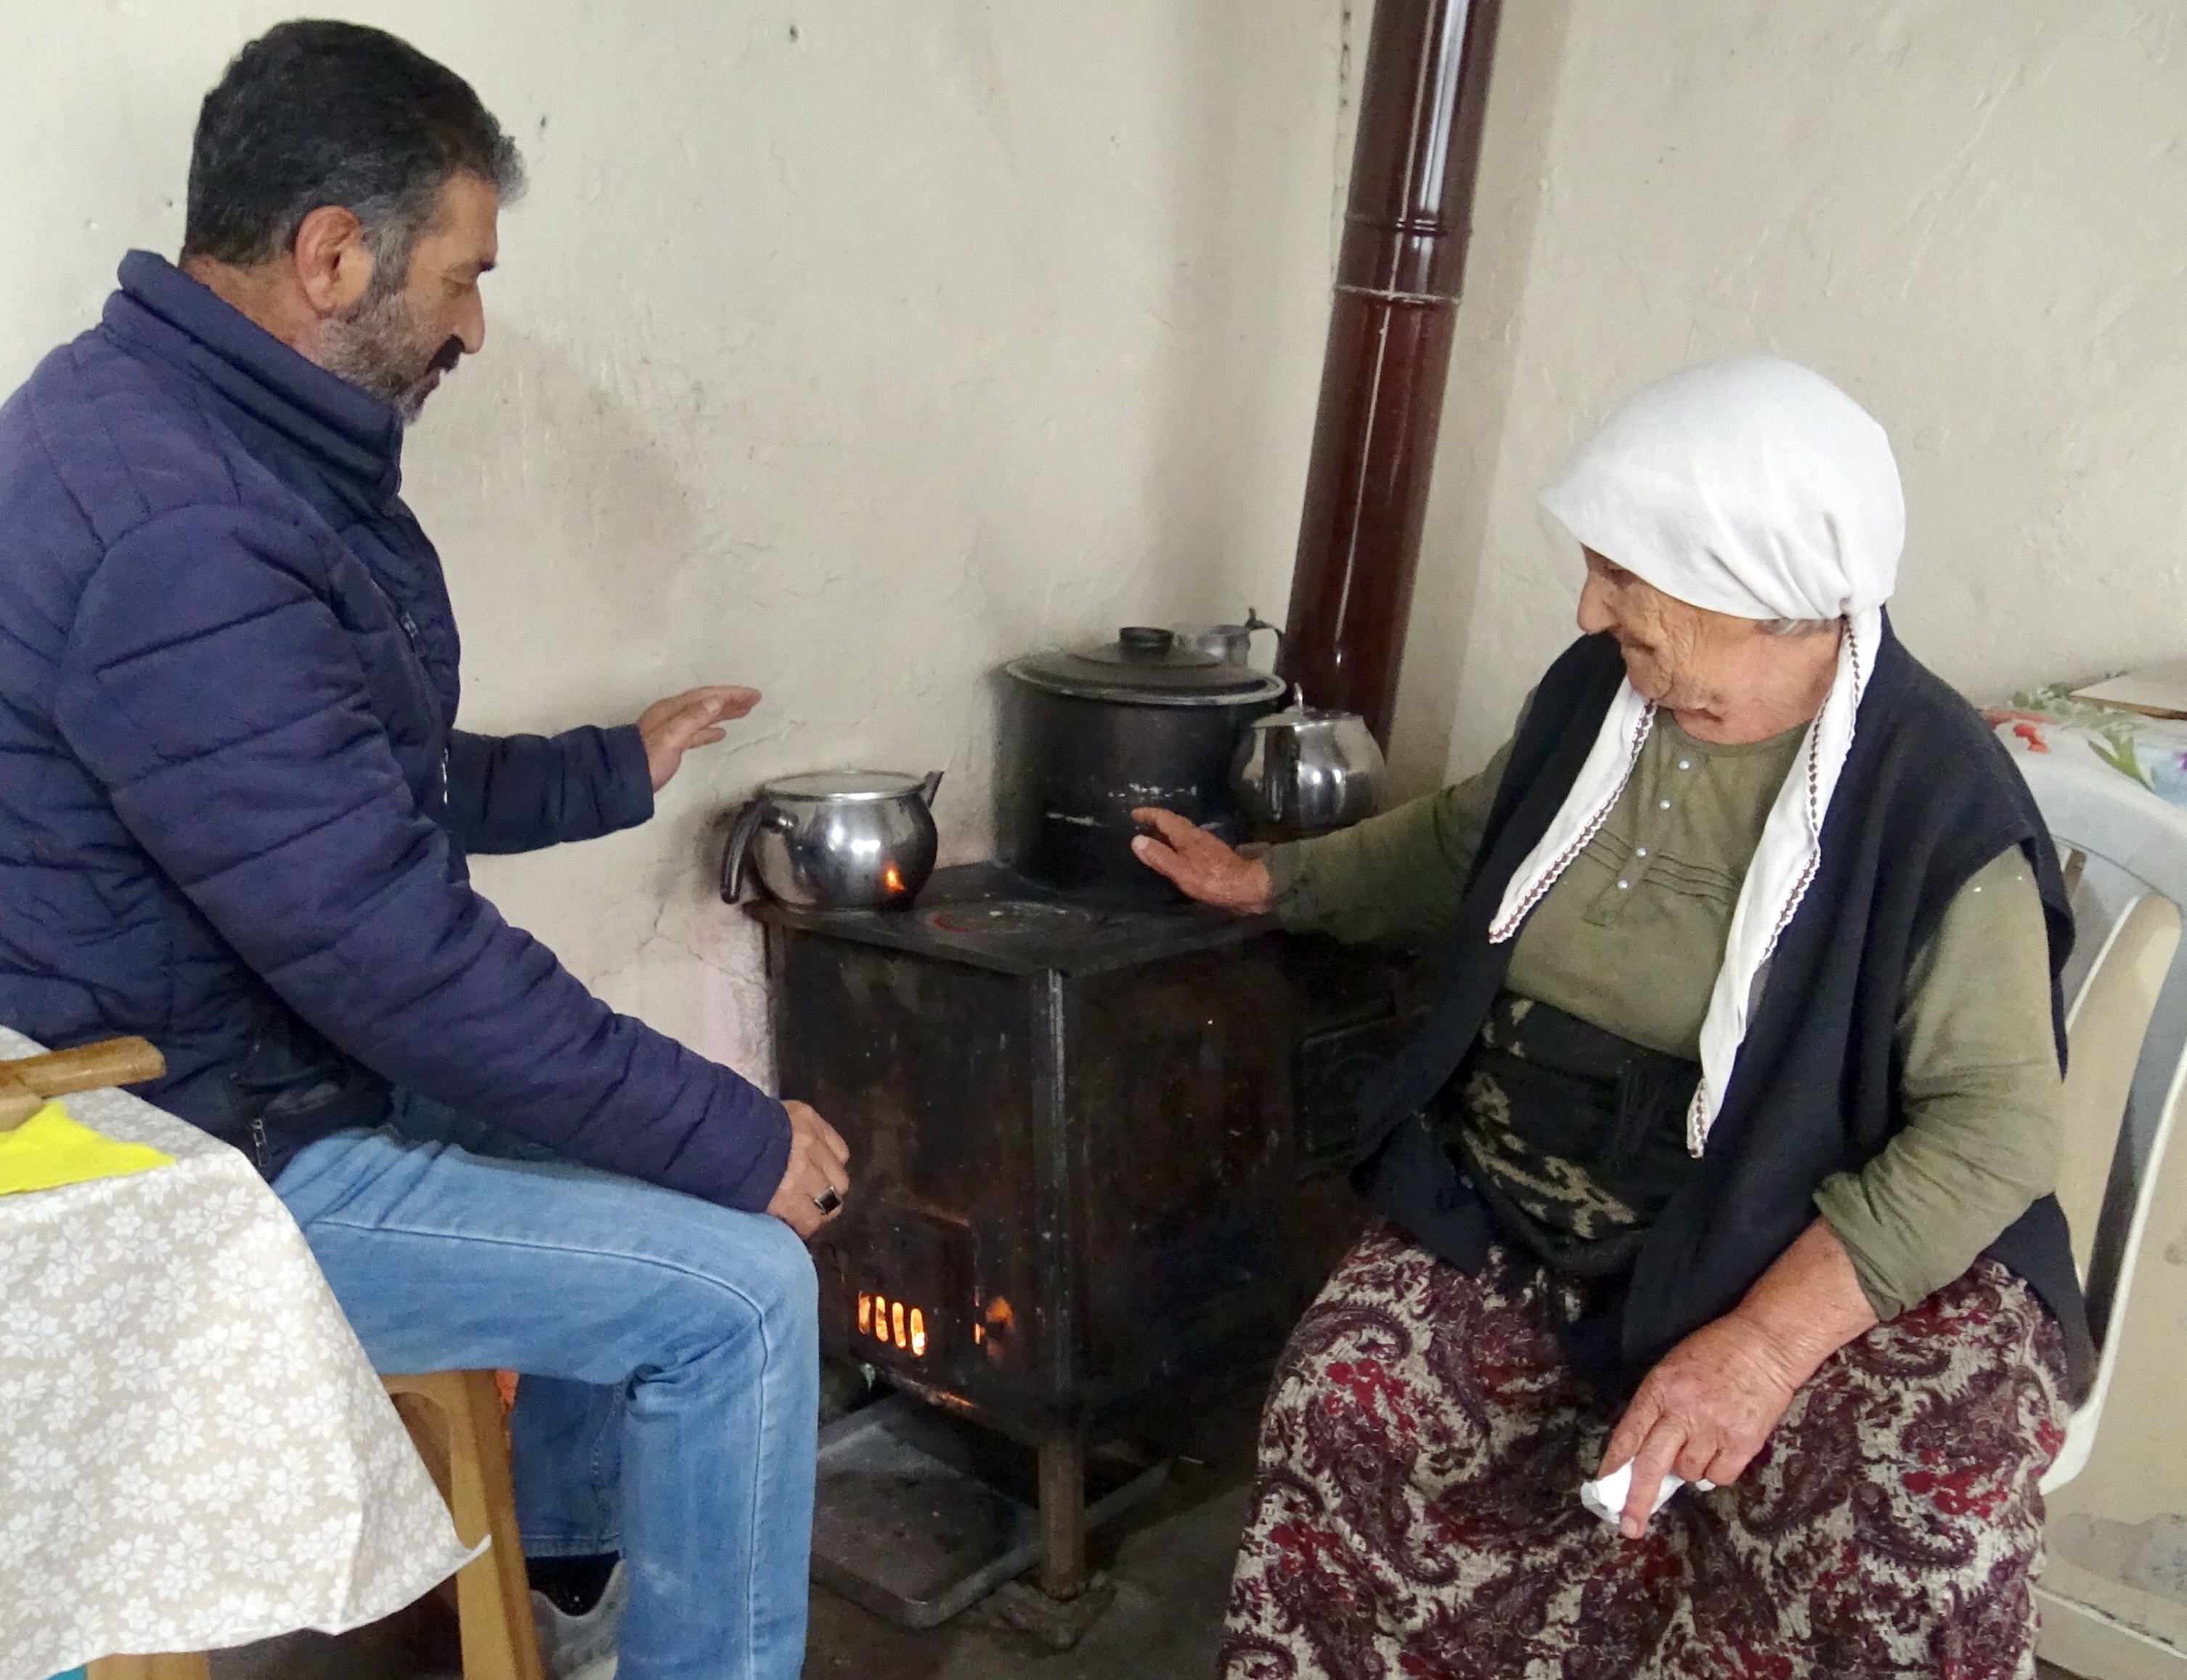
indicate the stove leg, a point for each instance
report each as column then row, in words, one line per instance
column 1063, row 1518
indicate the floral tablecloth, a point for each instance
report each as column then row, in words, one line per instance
column 194, row 1451
column 2150, row 751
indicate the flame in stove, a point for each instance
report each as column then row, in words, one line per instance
column 893, row 1323
column 992, row 1326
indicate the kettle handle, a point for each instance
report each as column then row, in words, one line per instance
column 1255, row 621
column 739, row 845
column 927, row 786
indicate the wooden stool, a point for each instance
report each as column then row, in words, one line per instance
column 455, row 1417
column 191, row 1667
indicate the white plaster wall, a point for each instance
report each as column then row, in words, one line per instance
column 1971, row 213
column 843, row 349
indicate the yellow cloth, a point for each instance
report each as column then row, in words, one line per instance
column 49, row 1149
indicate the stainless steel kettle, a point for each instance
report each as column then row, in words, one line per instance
column 1303, row 771
column 837, row 840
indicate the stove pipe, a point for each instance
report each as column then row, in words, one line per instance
column 1406, row 225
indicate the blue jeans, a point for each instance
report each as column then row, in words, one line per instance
column 670, row 1360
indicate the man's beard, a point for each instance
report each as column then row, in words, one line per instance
column 377, row 346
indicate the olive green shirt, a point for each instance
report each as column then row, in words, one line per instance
column 1631, row 938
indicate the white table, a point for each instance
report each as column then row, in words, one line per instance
column 194, row 1451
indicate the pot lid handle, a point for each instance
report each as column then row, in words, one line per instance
column 1146, row 640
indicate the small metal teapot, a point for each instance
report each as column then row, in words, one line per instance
column 838, row 839
column 1230, row 643
column 1303, row 771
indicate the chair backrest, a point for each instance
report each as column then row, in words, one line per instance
column 2105, row 1028
column 2126, row 1024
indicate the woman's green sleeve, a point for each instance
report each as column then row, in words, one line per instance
column 1398, row 876
column 1985, row 1117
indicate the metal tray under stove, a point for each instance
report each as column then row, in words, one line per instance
column 906, row 1525
column 990, row 916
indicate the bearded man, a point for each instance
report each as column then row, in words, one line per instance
column 236, row 810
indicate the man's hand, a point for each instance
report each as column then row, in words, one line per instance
column 1202, row 867
column 1712, row 1401
column 671, row 727
column 819, row 1161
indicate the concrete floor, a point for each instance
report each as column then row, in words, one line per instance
column 1170, row 1579
column 1169, row 1562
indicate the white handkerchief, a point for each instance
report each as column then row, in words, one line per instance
column 1606, row 1498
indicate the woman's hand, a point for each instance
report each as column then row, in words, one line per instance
column 1712, row 1401
column 1703, row 1412
column 1200, row 865
column 671, row 727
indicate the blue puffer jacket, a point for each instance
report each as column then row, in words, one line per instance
column 234, row 807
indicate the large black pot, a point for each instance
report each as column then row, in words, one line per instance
column 1091, row 733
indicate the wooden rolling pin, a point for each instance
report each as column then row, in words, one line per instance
column 26, row 1085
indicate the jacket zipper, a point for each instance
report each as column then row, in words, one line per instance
column 416, row 641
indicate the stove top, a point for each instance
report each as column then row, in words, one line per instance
column 1013, row 920
column 990, row 916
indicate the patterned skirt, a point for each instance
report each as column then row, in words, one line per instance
column 1417, row 1516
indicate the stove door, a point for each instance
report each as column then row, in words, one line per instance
column 906, row 1289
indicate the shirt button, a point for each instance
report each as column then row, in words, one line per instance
column 1665, row 804
column 1685, row 764
column 1642, row 851
column 1622, row 885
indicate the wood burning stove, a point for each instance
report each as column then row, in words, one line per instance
column 1097, row 1151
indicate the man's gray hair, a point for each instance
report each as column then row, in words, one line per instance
column 316, row 112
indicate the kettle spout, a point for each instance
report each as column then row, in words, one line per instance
column 927, row 786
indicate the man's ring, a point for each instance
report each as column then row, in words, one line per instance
column 828, row 1199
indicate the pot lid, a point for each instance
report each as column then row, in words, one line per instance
column 1148, row 667
column 843, row 784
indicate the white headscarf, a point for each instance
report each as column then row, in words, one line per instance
column 1756, row 487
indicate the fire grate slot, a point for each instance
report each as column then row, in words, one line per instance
column 905, row 1283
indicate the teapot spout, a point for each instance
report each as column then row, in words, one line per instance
column 739, row 848
column 927, row 786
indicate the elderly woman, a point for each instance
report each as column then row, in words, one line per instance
column 1724, row 1155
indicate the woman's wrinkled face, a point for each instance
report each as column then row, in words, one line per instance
column 1678, row 654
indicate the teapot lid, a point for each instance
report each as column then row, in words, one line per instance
column 1253, row 621
column 1297, row 714
column 1148, row 665
column 843, row 784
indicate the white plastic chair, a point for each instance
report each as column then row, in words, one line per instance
column 2127, row 1038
